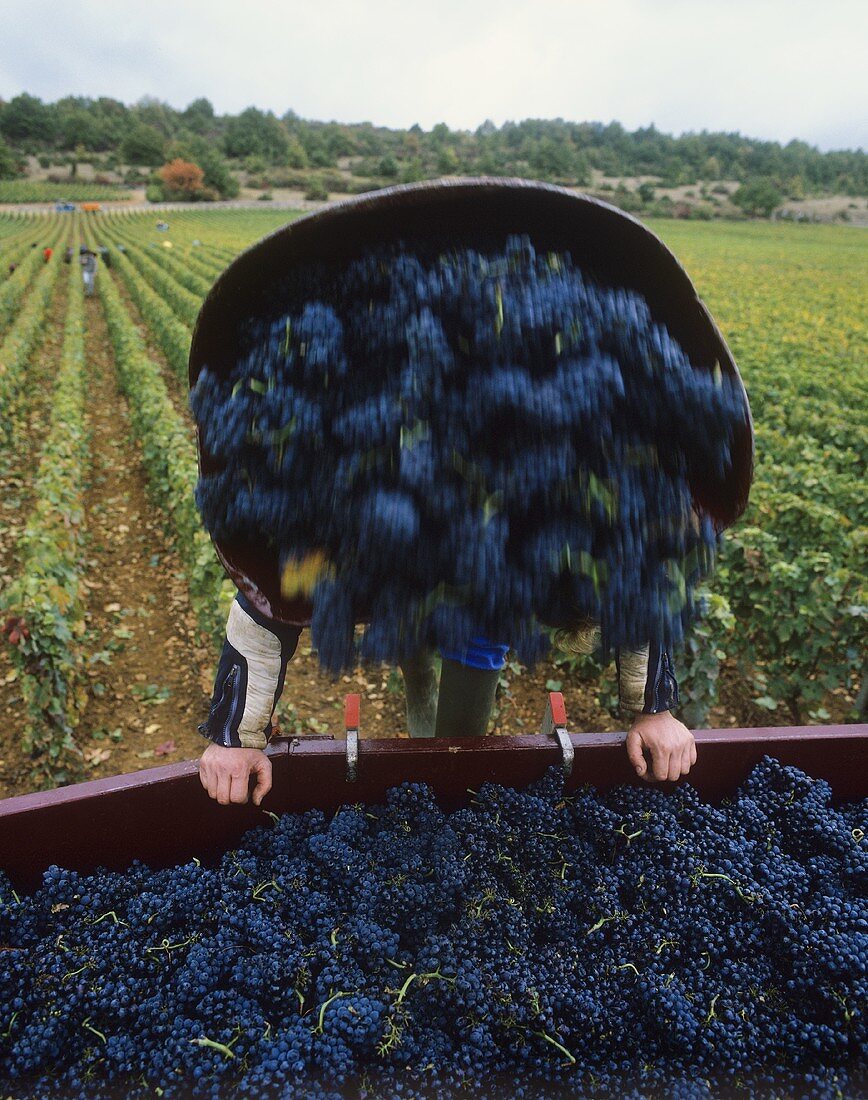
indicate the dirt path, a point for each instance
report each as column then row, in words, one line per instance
column 146, row 670
column 17, row 469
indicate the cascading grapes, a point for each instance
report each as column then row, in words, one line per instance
column 423, row 413
column 534, row 943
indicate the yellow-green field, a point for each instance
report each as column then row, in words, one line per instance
column 790, row 301
column 785, row 638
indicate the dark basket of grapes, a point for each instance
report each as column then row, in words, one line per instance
column 466, row 406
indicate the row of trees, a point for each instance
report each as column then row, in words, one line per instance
column 150, row 132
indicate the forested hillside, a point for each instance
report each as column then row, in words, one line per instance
column 127, row 142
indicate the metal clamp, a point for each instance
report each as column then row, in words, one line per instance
column 555, row 723
column 352, row 705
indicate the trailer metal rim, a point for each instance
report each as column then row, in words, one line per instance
column 163, row 816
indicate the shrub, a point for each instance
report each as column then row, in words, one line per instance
column 626, row 200
column 285, row 177
column 645, row 191
column 8, row 163
column 334, row 181
column 181, row 180
column 143, row 145
column 316, row 191
column 758, row 197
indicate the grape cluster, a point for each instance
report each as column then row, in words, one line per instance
column 532, row 944
column 480, row 440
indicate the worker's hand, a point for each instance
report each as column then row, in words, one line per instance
column 668, row 742
column 225, row 773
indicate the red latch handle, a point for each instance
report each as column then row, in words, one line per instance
column 352, row 707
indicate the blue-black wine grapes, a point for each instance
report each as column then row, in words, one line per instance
column 533, row 943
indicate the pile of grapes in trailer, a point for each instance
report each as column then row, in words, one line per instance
column 535, row 942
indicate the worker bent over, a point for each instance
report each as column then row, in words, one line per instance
column 88, row 271
column 252, row 671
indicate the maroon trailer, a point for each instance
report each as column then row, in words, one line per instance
column 163, row 816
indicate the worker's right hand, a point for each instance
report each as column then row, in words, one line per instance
column 225, row 773
column 668, row 742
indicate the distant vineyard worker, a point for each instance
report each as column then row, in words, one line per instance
column 68, row 254
column 252, row 671
column 88, row 271
column 47, row 253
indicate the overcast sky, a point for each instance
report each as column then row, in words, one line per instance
column 775, row 69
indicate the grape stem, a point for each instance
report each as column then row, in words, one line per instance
column 555, row 1043
column 334, row 997
column 212, row 1045
column 422, row 977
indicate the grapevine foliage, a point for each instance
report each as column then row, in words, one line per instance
column 532, row 944
column 479, row 441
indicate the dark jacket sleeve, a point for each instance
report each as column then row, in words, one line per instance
column 250, row 677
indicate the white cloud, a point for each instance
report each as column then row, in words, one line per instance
column 769, row 68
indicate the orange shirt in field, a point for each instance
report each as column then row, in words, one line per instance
column 47, row 253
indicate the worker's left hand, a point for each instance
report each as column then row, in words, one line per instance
column 668, row 742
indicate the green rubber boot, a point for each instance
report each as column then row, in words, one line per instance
column 420, row 688
column 466, row 698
